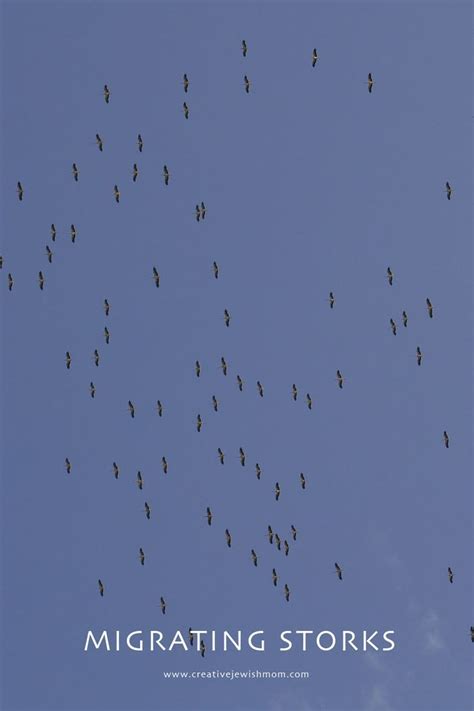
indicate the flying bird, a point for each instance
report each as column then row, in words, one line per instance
column 135, row 173
column 450, row 575
column 203, row 210
column 277, row 491
column 393, row 326
column 140, row 143
column 141, row 555
column 75, row 172
column 338, row 571
column 198, row 213
column 215, row 269
column 240, row 383
column 449, row 190
column 185, row 83
column 260, row 388
column 116, row 194
column 390, row 276
column 92, row 389
column 270, row 534
column 99, row 142
column 162, row 605
column 96, row 358
column 339, row 378
column 41, row 280
column 166, row 174
column 68, row 360
column 221, row 455
column 331, row 300
column 242, row 456
column 215, row 403
column 405, row 318
column 197, row 368
column 116, row 470
column 293, row 532
column 314, row 57
column 370, row 82
column 106, row 94
column 19, row 189
column 1, row 262
column 156, row 277
column 226, row 318
column 159, row 408
column 106, row 307
column 287, row 547
column 254, row 557
column 294, row 392
column 228, row 537
column 164, row 464
column 191, row 636
column 472, row 633
column 302, row 481
column 107, row 335
column 274, row 577
column 278, row 541
column 419, row 355
column 287, row 593
column 258, row 471
column 139, row 480
column 244, row 48
column 131, row 408
column 209, row 516
column 185, row 110
column 10, row 282
column 446, row 439
column 224, row 365
column 68, row 465
column 53, row 232
column 247, row 84
column 101, row 587
column 199, row 423
column 73, row 234
column 429, row 306
column 147, row 510
column 49, row 254
column 309, row 401
column 202, row 648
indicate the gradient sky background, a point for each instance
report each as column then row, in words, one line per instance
column 311, row 185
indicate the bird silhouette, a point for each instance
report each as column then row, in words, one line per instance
column 244, row 48
column 338, row 571
column 254, row 557
column 101, row 587
column 185, row 83
column 314, row 57
column 19, row 190
column 75, row 172
column 228, row 537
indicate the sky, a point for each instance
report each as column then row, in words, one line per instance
column 311, row 185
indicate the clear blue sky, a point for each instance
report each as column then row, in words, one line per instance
column 311, row 185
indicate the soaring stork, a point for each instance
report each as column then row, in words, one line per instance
column 338, row 571
column 314, row 57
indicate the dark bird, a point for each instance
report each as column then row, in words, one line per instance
column 278, row 541
column 224, row 365
column 302, row 481
column 140, row 143
column 393, row 326
column 68, row 360
column 139, row 480
column 68, row 465
column 10, row 282
column 191, row 637
column 141, row 555
column 240, row 383
column 314, row 58
column 419, row 355
column 228, row 537
column 339, row 378
column 186, row 110
column 287, row 547
column 96, row 358
column 274, row 577
column 338, row 571
column 106, row 94
column 309, row 402
column 106, row 307
column 166, row 174
column 226, row 318
column 198, row 213
column 450, row 575
column 116, row 193
column 53, row 232
column 164, row 464
column 242, row 456
column 101, row 588
column 116, row 469
column 472, row 633
column 390, row 276
column 156, row 277
column 287, row 593
column 73, row 234
column 247, row 84
column 41, row 280
column 1, row 262
column 448, row 189
column 429, row 306
column 199, row 423
column 215, row 403
column 260, row 388
column 331, row 300
column 258, row 470
column 277, row 491
column 202, row 648
column 92, row 389
column 99, row 142
column 75, row 172
column 270, row 535
column 221, row 455
column 446, row 439
column 19, row 189
column 370, row 82
column 147, row 510
column 159, row 408
column 185, row 83
column 107, row 335
column 162, row 605
column 405, row 318
column 294, row 392
column 135, row 173
column 293, row 532
column 254, row 558
column 215, row 269
column 197, row 368
column 131, row 408
column 244, row 48
column 49, row 254
column 209, row 516
column 203, row 211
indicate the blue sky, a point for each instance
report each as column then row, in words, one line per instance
column 311, row 185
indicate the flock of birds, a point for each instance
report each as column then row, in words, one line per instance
column 200, row 214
